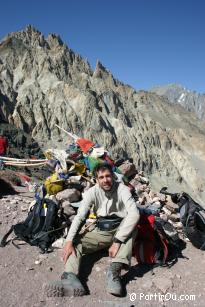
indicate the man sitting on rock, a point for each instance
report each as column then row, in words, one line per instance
column 115, row 230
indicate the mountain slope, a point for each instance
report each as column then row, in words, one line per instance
column 191, row 101
column 43, row 83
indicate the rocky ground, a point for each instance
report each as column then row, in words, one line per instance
column 24, row 271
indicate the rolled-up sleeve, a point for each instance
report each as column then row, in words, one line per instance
column 130, row 221
column 88, row 200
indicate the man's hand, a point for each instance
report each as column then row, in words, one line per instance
column 114, row 249
column 68, row 250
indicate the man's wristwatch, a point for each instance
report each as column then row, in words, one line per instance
column 115, row 240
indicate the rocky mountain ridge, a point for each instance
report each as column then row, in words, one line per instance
column 43, row 83
column 190, row 100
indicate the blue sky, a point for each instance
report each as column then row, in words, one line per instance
column 144, row 43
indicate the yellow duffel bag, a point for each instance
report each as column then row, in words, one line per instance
column 54, row 185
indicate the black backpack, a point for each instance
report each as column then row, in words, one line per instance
column 42, row 226
column 192, row 217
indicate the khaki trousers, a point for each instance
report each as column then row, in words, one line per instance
column 96, row 240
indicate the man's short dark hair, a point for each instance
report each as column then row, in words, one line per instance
column 102, row 167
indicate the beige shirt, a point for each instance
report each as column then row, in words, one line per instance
column 118, row 201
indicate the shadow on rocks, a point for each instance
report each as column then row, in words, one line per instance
column 136, row 271
column 6, row 188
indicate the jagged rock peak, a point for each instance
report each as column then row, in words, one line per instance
column 30, row 36
column 30, row 29
column 54, row 39
column 101, row 71
column 100, row 66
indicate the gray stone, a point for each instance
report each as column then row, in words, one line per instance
column 71, row 195
column 144, row 180
column 68, row 210
column 163, row 284
column 29, row 269
column 24, row 208
column 172, row 207
column 166, row 211
column 128, row 169
column 164, row 217
column 155, row 199
column 59, row 243
column 174, row 217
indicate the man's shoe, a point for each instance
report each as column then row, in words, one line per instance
column 114, row 285
column 69, row 285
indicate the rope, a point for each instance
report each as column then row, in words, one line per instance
column 25, row 164
column 25, row 160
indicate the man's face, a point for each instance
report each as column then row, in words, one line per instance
column 105, row 179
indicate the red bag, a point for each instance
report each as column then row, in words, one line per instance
column 150, row 246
